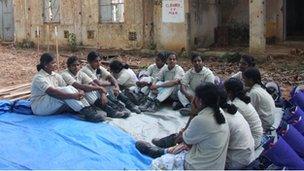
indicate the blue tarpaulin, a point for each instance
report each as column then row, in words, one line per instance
column 64, row 142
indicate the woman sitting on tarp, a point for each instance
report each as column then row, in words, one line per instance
column 245, row 63
column 166, row 85
column 237, row 96
column 195, row 76
column 204, row 142
column 261, row 100
column 102, row 77
column 50, row 94
column 94, row 94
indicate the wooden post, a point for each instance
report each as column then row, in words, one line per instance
column 57, row 49
column 48, row 37
column 38, row 40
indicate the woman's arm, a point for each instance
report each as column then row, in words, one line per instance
column 62, row 95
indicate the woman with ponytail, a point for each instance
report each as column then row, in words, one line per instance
column 260, row 98
column 125, row 76
column 245, row 63
column 241, row 143
column 50, row 94
column 236, row 94
column 204, row 140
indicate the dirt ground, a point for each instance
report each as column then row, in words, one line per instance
column 18, row 66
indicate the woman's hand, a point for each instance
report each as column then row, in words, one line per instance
column 104, row 99
column 194, row 108
column 178, row 148
column 153, row 87
column 116, row 91
column 179, row 137
column 103, row 90
column 77, row 96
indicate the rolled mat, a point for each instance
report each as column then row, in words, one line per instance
column 299, row 112
column 299, row 125
column 293, row 113
column 294, row 139
column 298, row 99
column 281, row 154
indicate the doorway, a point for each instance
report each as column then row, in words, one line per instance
column 294, row 20
column 6, row 21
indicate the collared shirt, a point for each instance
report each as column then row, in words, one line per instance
column 252, row 117
column 175, row 73
column 238, row 75
column 92, row 73
column 193, row 79
column 80, row 77
column 209, row 142
column 241, row 143
column 263, row 103
column 41, row 82
column 153, row 70
column 126, row 78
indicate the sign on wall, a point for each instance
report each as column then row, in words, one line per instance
column 173, row 11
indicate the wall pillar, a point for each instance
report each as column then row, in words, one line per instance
column 257, row 20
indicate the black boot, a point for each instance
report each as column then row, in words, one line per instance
column 115, row 104
column 129, row 105
column 145, row 106
column 110, row 111
column 165, row 142
column 185, row 111
column 134, row 98
column 90, row 114
column 149, row 150
column 154, row 107
column 177, row 105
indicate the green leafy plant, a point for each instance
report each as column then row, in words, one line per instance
column 152, row 46
column 72, row 40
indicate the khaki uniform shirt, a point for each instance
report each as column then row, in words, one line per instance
column 41, row 82
column 126, row 78
column 192, row 79
column 80, row 78
column 175, row 73
column 209, row 142
column 92, row 73
column 263, row 103
column 153, row 70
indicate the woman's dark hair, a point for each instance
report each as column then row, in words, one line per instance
column 230, row 108
column 254, row 75
column 45, row 59
column 171, row 53
column 116, row 66
column 93, row 56
column 162, row 56
column 71, row 60
column 209, row 94
column 194, row 56
column 236, row 87
column 249, row 60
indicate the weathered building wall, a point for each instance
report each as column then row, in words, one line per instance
column 171, row 36
column 201, row 17
column 275, row 19
column 204, row 19
column 238, row 11
column 79, row 17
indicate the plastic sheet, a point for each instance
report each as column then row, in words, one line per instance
column 64, row 142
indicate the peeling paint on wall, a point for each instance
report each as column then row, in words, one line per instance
column 79, row 17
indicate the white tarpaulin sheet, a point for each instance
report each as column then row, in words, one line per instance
column 147, row 126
